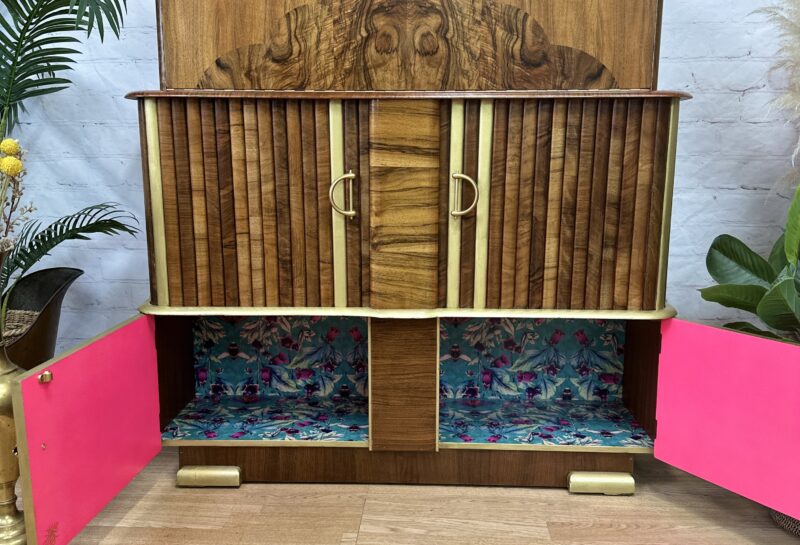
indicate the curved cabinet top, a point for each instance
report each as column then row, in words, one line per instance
column 359, row 45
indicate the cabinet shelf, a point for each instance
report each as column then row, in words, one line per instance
column 270, row 421
column 519, row 425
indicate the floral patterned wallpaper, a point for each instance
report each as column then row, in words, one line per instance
column 300, row 357
column 532, row 359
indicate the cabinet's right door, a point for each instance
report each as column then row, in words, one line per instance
column 728, row 411
column 571, row 212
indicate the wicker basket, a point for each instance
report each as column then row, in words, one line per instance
column 790, row 524
column 18, row 322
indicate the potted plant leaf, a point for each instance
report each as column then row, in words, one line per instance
column 767, row 287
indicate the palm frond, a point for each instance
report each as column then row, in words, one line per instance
column 34, row 243
column 37, row 46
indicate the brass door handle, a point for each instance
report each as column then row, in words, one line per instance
column 454, row 211
column 350, row 177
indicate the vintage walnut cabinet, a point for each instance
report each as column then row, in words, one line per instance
column 417, row 241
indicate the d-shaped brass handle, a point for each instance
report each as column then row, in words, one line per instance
column 348, row 177
column 458, row 177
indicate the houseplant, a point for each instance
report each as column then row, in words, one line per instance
column 767, row 287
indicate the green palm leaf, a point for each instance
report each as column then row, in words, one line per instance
column 34, row 243
column 36, row 46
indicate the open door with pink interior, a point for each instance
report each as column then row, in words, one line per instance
column 87, row 423
column 728, row 411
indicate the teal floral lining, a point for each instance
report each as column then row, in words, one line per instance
column 277, row 378
column 535, row 381
column 560, row 423
column 272, row 419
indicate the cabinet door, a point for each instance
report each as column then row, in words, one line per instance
column 238, row 199
column 728, row 411
column 574, row 197
column 86, row 433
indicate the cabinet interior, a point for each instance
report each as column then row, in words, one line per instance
column 264, row 378
column 542, row 382
column 503, row 383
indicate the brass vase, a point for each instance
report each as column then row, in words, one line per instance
column 12, row 523
column 41, row 292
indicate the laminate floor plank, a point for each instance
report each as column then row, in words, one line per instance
column 670, row 508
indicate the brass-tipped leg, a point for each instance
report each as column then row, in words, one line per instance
column 12, row 523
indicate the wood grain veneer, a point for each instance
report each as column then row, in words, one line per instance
column 424, row 44
column 576, row 203
column 640, row 379
column 447, row 467
column 404, row 203
column 576, row 190
column 403, row 384
column 246, row 209
column 175, row 377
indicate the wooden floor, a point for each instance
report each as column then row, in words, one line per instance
column 670, row 507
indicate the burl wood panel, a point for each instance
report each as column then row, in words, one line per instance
column 247, row 213
column 640, row 379
column 576, row 204
column 447, row 467
column 404, row 384
column 404, row 203
column 409, row 44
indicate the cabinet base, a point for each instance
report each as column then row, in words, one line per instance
column 447, row 467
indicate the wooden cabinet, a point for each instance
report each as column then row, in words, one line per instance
column 387, row 246
column 562, row 200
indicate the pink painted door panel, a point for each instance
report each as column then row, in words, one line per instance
column 728, row 411
column 86, row 434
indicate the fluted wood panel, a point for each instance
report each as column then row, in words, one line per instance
column 576, row 203
column 247, row 214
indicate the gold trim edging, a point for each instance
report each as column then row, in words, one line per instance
column 407, row 314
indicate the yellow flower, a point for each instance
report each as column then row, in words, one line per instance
column 11, row 166
column 9, row 146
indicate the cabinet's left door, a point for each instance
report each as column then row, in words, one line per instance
column 87, row 423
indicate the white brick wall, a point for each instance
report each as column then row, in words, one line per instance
column 733, row 146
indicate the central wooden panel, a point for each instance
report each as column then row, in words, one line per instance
column 404, row 384
column 404, row 201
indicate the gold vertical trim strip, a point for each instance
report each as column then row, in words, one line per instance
column 28, row 506
column 454, row 200
column 661, row 288
column 156, row 201
column 486, row 130
column 338, row 222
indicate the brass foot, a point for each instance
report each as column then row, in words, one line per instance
column 601, row 482
column 209, row 476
